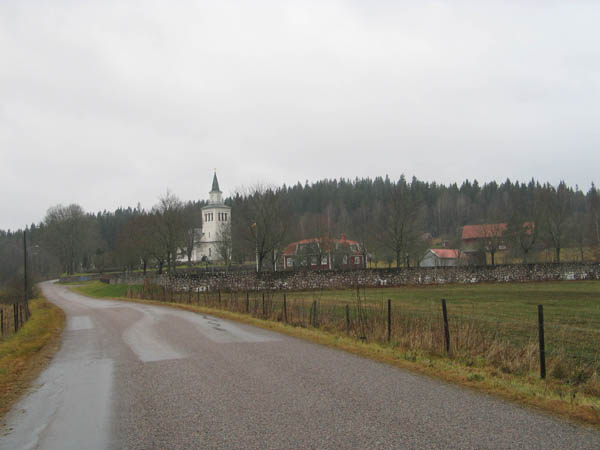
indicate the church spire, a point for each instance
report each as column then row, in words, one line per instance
column 215, row 183
column 215, row 193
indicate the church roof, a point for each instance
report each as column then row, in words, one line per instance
column 215, row 184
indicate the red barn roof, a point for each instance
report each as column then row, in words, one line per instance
column 291, row 248
column 491, row 230
column 483, row 231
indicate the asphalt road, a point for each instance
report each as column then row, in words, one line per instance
column 136, row 376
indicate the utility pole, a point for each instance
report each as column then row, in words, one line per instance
column 25, row 265
column 256, row 241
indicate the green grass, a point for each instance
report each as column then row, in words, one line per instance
column 571, row 309
column 24, row 354
column 97, row 289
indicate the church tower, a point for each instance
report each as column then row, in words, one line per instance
column 216, row 227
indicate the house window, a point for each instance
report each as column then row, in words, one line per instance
column 290, row 262
column 323, row 260
column 345, row 259
column 313, row 261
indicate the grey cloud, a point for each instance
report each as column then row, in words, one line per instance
column 109, row 103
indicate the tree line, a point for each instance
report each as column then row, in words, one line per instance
column 394, row 220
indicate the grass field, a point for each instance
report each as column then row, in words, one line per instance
column 571, row 309
column 24, row 354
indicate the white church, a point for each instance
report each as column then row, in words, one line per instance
column 216, row 220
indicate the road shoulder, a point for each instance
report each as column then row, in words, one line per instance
column 25, row 354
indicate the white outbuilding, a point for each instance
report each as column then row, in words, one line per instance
column 441, row 257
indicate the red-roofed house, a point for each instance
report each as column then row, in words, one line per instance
column 489, row 237
column 479, row 239
column 473, row 233
column 324, row 253
column 441, row 257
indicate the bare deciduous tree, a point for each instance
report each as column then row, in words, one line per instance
column 492, row 239
column 593, row 199
column 262, row 221
column 70, row 234
column 363, row 224
column 169, row 228
column 137, row 242
column 557, row 210
column 224, row 244
column 192, row 217
column 398, row 221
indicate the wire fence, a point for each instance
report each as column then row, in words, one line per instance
column 570, row 351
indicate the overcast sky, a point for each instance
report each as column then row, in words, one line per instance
column 109, row 103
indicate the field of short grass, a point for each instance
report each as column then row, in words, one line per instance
column 509, row 311
column 98, row 289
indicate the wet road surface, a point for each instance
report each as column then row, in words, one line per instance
column 138, row 376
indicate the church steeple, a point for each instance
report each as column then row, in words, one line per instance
column 215, row 184
column 215, row 193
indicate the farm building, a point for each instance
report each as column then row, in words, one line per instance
column 441, row 257
column 490, row 238
column 324, row 253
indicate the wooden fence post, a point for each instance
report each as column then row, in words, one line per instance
column 446, row 329
column 263, row 304
column 284, row 308
column 16, row 316
column 541, row 339
column 247, row 302
column 389, row 320
column 347, row 319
